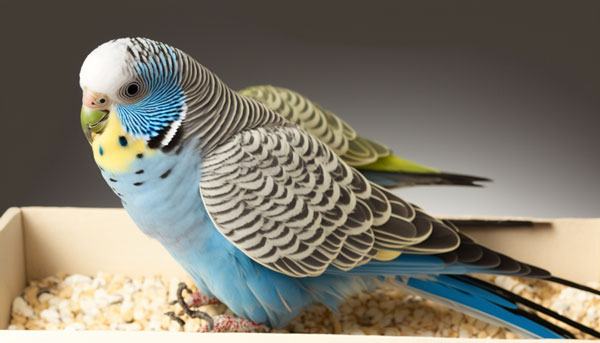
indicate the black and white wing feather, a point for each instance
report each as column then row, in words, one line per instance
column 357, row 151
column 290, row 203
column 326, row 126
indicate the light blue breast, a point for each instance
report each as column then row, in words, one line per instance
column 161, row 194
column 162, row 197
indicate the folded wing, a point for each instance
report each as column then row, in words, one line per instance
column 290, row 203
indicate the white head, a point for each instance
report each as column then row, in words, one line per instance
column 106, row 70
column 138, row 79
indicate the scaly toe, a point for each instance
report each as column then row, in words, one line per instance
column 225, row 323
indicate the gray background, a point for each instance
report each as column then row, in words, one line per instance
column 504, row 89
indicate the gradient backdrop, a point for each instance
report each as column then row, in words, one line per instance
column 504, row 89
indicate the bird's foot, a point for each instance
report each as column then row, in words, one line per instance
column 225, row 323
column 197, row 299
column 186, row 308
column 201, row 299
column 220, row 323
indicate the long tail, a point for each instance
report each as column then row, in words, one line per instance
column 442, row 278
column 530, row 304
column 492, row 304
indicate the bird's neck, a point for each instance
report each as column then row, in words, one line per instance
column 215, row 112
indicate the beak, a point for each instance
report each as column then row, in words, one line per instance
column 92, row 121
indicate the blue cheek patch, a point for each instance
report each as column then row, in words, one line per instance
column 100, row 150
column 164, row 102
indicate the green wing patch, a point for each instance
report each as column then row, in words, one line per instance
column 326, row 126
column 393, row 163
column 374, row 159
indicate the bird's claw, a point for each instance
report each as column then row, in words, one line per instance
column 186, row 308
column 174, row 317
column 220, row 323
column 193, row 314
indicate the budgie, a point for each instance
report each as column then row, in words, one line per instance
column 258, row 196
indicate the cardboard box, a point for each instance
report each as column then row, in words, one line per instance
column 39, row 241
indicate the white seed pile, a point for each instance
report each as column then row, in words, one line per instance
column 103, row 302
column 116, row 302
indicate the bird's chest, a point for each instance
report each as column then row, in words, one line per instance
column 158, row 190
column 160, row 193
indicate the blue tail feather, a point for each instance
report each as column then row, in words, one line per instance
column 476, row 291
column 479, row 303
column 430, row 276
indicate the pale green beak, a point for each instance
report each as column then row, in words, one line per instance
column 92, row 121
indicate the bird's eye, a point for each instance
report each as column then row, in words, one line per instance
column 132, row 89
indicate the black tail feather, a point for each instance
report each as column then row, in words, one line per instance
column 573, row 285
column 462, row 179
column 534, row 317
column 461, row 223
column 401, row 179
column 515, row 298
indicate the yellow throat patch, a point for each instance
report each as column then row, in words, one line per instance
column 114, row 150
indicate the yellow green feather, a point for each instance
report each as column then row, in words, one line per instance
column 359, row 152
column 393, row 163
